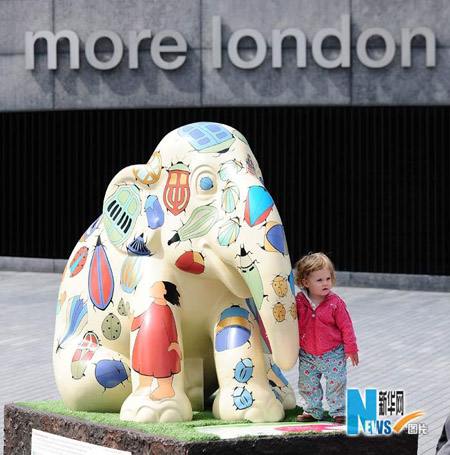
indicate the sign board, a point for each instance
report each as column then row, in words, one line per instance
column 43, row 443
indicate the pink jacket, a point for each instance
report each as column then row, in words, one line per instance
column 325, row 327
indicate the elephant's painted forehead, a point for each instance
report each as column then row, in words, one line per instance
column 204, row 142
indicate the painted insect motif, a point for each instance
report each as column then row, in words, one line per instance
column 130, row 273
column 101, row 279
column 191, row 262
column 154, row 212
column 148, row 212
column 111, row 373
column 280, row 286
column 274, row 238
column 240, row 136
column 121, row 212
column 242, row 398
column 111, row 327
column 230, row 197
column 90, row 230
column 138, row 247
column 177, row 191
column 250, row 165
column 293, row 311
column 207, row 137
column 78, row 261
column 279, row 312
column 229, row 169
column 83, row 355
column 151, row 172
column 252, row 277
column 199, row 224
column 258, row 205
column 61, row 301
column 265, row 340
column 76, row 319
column 276, row 377
column 277, row 381
column 123, row 308
column 291, row 283
column 233, row 328
column 243, row 371
column 229, row 232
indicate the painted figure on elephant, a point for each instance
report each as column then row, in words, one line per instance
column 182, row 287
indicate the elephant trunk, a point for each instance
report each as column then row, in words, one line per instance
column 269, row 278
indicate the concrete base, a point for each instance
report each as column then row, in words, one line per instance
column 19, row 421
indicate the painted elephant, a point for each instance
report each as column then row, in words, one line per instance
column 182, row 287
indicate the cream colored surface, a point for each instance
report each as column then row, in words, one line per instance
column 203, row 298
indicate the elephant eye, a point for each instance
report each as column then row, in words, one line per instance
column 206, row 183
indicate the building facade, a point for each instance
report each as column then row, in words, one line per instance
column 344, row 104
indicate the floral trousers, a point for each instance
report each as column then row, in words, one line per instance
column 333, row 367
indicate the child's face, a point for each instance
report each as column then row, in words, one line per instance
column 319, row 283
column 158, row 290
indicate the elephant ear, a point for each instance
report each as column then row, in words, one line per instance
column 125, row 200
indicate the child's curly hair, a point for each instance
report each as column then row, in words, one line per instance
column 311, row 263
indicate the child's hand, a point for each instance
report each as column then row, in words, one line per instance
column 176, row 347
column 354, row 357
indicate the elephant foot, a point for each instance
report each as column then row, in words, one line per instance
column 144, row 409
column 255, row 405
column 287, row 397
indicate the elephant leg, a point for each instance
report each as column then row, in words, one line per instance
column 95, row 379
column 163, row 401
column 157, row 370
column 244, row 391
column 280, row 385
column 194, row 383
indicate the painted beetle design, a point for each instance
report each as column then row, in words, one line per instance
column 177, row 279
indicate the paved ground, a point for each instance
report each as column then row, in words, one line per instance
column 402, row 337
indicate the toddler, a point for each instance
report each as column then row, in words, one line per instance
column 327, row 339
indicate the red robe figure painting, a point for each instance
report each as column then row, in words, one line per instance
column 156, row 351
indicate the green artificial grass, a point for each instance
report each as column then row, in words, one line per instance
column 183, row 431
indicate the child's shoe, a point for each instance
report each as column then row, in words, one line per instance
column 305, row 417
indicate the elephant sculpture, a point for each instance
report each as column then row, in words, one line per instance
column 182, row 288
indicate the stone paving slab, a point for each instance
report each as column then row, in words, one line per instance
column 402, row 337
